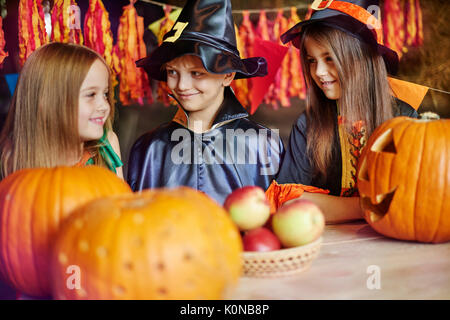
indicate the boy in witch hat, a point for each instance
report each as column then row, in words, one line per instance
column 345, row 65
column 210, row 144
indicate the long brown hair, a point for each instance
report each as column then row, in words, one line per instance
column 41, row 129
column 365, row 92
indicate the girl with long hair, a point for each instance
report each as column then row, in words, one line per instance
column 61, row 113
column 345, row 67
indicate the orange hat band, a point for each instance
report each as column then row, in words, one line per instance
column 354, row 11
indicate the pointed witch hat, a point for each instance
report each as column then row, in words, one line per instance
column 205, row 28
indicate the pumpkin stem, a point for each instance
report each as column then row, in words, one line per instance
column 429, row 116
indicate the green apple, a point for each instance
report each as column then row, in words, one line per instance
column 298, row 223
column 248, row 207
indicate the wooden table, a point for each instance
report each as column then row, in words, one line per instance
column 407, row 270
column 351, row 260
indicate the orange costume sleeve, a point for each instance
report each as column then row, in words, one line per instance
column 277, row 194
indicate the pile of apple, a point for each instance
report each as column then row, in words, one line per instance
column 296, row 223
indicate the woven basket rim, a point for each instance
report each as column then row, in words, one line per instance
column 284, row 251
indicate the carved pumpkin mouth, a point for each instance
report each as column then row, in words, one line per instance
column 378, row 209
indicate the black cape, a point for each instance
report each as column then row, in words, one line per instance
column 235, row 152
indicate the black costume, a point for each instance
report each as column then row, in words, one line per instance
column 235, row 152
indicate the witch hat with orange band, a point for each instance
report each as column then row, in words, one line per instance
column 352, row 17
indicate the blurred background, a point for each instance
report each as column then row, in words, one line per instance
column 427, row 64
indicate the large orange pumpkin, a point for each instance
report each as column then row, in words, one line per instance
column 33, row 202
column 404, row 179
column 157, row 244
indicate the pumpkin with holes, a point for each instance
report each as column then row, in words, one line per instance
column 157, row 244
column 404, row 179
column 33, row 202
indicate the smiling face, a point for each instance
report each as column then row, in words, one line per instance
column 93, row 106
column 199, row 92
column 322, row 68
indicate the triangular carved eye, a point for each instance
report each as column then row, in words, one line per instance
column 384, row 143
column 380, row 208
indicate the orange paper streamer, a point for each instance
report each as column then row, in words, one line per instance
column 130, row 47
column 240, row 86
column 97, row 33
column 296, row 85
column 3, row 54
column 66, row 26
column 393, row 26
column 32, row 32
column 413, row 23
column 166, row 25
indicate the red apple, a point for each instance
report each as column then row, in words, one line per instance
column 297, row 223
column 248, row 207
column 260, row 239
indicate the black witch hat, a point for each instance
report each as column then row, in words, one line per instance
column 352, row 17
column 205, row 28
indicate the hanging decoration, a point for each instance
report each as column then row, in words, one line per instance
column 66, row 26
column 130, row 47
column 3, row 54
column 393, row 26
column 245, row 36
column 296, row 83
column 402, row 28
column 163, row 90
column 97, row 33
column 32, row 32
column 265, row 32
column 279, row 89
column 240, row 86
column 413, row 23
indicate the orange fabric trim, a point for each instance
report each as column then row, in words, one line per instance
column 360, row 14
column 277, row 194
column 86, row 156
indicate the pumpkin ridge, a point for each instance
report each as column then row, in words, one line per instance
column 34, row 181
column 402, row 128
column 112, row 239
column 43, row 193
column 423, row 133
column 12, row 183
column 426, row 126
column 436, row 230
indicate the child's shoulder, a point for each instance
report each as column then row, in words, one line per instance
column 247, row 123
column 161, row 133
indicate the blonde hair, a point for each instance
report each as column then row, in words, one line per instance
column 365, row 92
column 41, row 129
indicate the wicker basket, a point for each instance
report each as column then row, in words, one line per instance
column 282, row 262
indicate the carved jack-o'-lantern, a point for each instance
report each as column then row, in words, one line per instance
column 404, row 179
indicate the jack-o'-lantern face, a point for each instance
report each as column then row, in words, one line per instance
column 404, row 179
